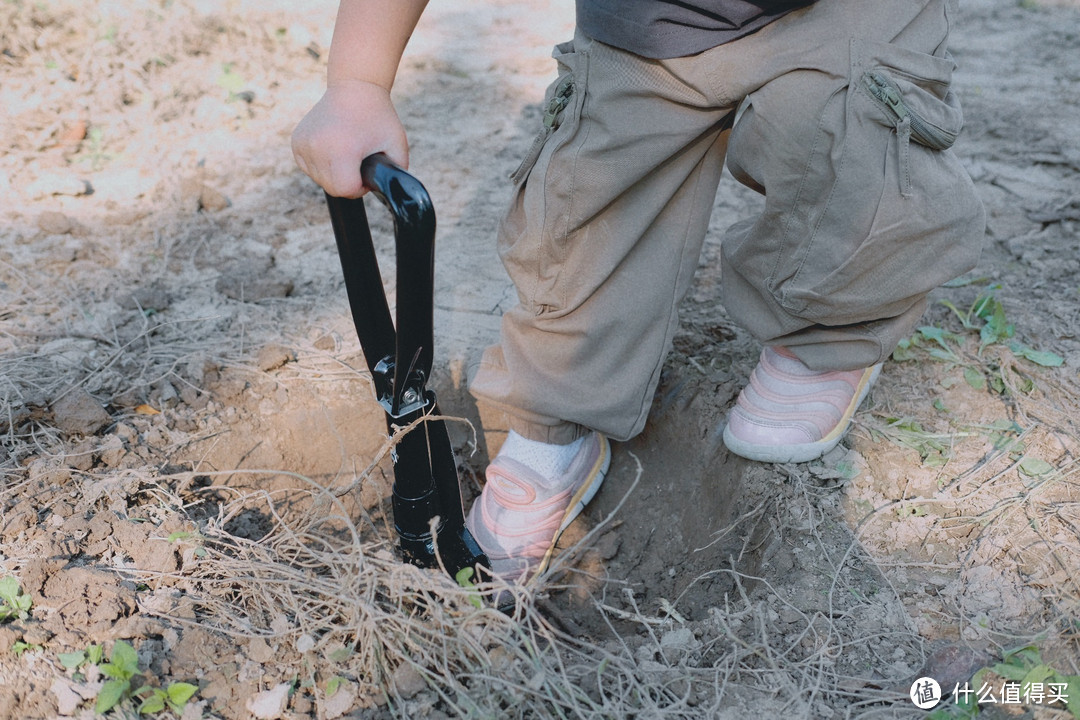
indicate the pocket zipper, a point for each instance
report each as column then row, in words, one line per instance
column 558, row 102
column 552, row 114
column 889, row 97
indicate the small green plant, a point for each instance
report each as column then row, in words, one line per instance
column 122, row 667
column 21, row 646
column 173, row 697
column 14, row 604
column 464, row 578
column 933, row 448
column 1022, row 674
column 985, row 316
column 334, row 684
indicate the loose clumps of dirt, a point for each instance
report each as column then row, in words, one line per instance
column 192, row 462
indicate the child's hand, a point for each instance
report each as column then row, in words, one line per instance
column 352, row 120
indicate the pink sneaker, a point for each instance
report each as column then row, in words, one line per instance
column 790, row 413
column 520, row 514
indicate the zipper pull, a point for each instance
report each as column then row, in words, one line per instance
column 558, row 102
column 884, row 91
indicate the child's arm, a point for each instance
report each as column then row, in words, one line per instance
column 355, row 117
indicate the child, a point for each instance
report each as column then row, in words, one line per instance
column 844, row 125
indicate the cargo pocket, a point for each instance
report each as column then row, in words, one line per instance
column 901, row 216
column 530, row 239
column 561, row 105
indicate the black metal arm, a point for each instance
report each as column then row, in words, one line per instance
column 425, row 472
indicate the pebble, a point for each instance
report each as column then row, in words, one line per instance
column 273, row 356
column 408, row 681
column 53, row 222
column 269, row 704
column 78, row 413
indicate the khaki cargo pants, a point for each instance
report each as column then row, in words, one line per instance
column 845, row 129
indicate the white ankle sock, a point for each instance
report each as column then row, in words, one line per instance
column 546, row 459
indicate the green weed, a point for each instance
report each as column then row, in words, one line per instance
column 933, row 448
column 122, row 669
column 1021, row 678
column 14, row 604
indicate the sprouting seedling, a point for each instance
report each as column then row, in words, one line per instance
column 464, row 578
column 123, row 665
column 13, row 602
column 174, row 697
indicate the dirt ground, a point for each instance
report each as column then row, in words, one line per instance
column 192, row 461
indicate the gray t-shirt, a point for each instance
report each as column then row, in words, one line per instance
column 676, row 28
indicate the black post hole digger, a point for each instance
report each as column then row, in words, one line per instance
column 400, row 357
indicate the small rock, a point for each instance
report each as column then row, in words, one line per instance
column 680, row 640
column 305, row 643
column 67, row 700
column 269, row 704
column 53, row 222
column 408, row 681
column 273, row 356
column 78, row 413
column 35, row 634
column 211, row 200
column 607, row 546
column 112, row 451
column 82, row 457
column 326, row 343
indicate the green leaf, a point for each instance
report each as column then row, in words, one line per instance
column 95, row 653
column 114, row 671
column 111, row 693
column 974, row 378
column 464, row 579
column 9, row 588
column 180, row 692
column 341, row 655
column 72, row 660
column 21, row 646
column 1072, row 689
column 1037, row 674
column 997, row 328
column 1026, row 655
column 935, row 459
column 1035, row 467
column 153, row 704
column 333, row 684
column 903, row 351
column 1039, row 357
column 1010, row 671
column 125, row 658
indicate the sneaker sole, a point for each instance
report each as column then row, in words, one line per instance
column 581, row 498
column 805, row 452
